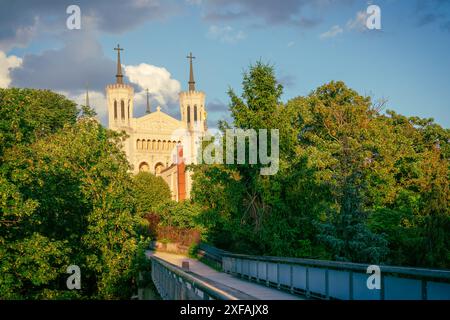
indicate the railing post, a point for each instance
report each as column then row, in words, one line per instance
column 291, row 270
column 257, row 271
column 167, row 281
column 350, row 285
column 278, row 276
column 424, row 290
column 173, row 285
column 177, row 288
column 307, row 282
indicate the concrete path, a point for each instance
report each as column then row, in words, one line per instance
column 250, row 289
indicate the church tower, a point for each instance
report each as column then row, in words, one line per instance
column 119, row 97
column 192, row 104
column 193, row 113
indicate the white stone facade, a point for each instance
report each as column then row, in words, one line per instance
column 153, row 138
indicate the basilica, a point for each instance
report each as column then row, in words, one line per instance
column 157, row 142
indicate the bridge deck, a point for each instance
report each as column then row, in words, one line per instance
column 249, row 289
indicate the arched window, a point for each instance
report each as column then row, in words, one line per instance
column 159, row 167
column 122, row 109
column 144, row 167
column 137, row 143
column 115, row 110
column 159, row 145
column 154, row 144
column 195, row 113
column 149, row 144
column 188, row 114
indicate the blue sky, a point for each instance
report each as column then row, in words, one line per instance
column 407, row 61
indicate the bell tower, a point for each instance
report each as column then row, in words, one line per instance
column 119, row 97
column 192, row 104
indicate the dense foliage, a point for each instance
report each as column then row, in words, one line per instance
column 67, row 199
column 354, row 183
column 150, row 192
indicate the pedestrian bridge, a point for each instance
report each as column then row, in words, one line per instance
column 245, row 277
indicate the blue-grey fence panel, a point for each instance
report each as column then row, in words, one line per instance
column 402, row 288
column 226, row 264
column 299, row 274
column 253, row 266
column 360, row 289
column 438, row 290
column 339, row 284
column 272, row 272
column 285, row 274
column 246, row 268
column 262, row 270
column 316, row 280
column 238, row 266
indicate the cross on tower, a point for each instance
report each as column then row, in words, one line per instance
column 191, row 73
column 119, row 76
column 190, row 57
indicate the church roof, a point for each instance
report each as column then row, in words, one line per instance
column 159, row 121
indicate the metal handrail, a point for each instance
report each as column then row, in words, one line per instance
column 211, row 252
column 441, row 274
column 325, row 279
column 210, row 290
column 360, row 267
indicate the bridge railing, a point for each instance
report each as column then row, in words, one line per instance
column 212, row 254
column 339, row 280
column 173, row 283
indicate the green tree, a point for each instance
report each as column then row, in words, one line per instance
column 336, row 123
column 182, row 214
column 243, row 210
column 150, row 192
column 28, row 114
column 67, row 198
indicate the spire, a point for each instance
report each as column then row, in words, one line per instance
column 87, row 96
column 119, row 76
column 191, row 73
column 148, row 103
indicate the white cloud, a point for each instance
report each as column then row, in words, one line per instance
column 291, row 44
column 97, row 101
column 359, row 22
column 225, row 34
column 157, row 80
column 333, row 32
column 7, row 63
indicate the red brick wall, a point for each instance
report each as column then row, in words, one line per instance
column 181, row 174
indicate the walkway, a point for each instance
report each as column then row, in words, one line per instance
column 246, row 290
